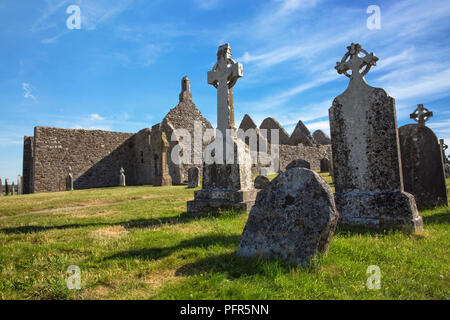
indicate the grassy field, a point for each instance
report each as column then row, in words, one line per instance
column 138, row 243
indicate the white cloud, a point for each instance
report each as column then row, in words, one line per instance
column 319, row 125
column 96, row 116
column 27, row 92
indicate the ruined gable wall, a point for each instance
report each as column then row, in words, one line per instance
column 95, row 156
column 183, row 116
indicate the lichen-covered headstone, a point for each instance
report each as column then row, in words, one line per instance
column 193, row 177
column 293, row 219
column 366, row 157
column 261, row 182
column 422, row 167
column 298, row 163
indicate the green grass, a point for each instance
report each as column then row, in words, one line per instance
column 138, row 243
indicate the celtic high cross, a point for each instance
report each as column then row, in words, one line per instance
column 223, row 76
column 352, row 61
column 421, row 114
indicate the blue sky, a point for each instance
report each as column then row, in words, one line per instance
column 121, row 71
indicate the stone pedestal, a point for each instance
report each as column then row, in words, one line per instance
column 226, row 186
column 378, row 210
column 366, row 157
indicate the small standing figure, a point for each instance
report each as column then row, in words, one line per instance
column 69, row 179
column 122, row 177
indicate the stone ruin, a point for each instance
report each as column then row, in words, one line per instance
column 96, row 156
column 299, row 145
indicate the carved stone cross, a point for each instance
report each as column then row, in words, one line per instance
column 421, row 114
column 352, row 61
column 223, row 77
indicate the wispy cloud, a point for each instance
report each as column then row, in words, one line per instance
column 27, row 92
column 207, row 4
column 96, row 116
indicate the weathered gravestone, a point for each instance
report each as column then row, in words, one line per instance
column 366, row 157
column 69, row 179
column 324, row 165
column 1, row 188
column 163, row 178
column 294, row 218
column 7, row 188
column 422, row 167
column 13, row 189
column 298, row 163
column 19, row 185
column 193, row 177
column 261, row 182
column 227, row 179
column 122, row 179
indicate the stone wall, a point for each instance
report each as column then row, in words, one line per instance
column 94, row 155
column 311, row 154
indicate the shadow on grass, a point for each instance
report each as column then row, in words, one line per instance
column 130, row 224
column 234, row 267
column 228, row 263
column 202, row 242
column 439, row 218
